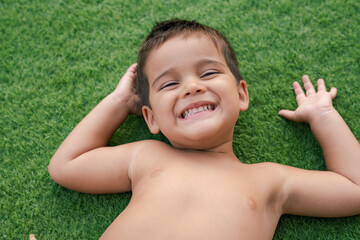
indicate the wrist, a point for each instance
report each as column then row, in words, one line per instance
column 323, row 115
column 118, row 103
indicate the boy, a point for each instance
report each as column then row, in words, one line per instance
column 192, row 91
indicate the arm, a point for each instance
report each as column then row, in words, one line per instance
column 321, row 192
column 82, row 162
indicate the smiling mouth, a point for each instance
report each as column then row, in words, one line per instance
column 189, row 112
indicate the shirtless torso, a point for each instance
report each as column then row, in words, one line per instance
column 180, row 194
column 210, row 194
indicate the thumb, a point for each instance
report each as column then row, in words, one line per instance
column 333, row 92
column 287, row 114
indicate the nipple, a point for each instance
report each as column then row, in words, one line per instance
column 252, row 204
column 156, row 173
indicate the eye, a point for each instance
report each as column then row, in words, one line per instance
column 168, row 84
column 208, row 74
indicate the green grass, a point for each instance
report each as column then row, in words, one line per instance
column 58, row 59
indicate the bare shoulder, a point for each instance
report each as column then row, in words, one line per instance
column 277, row 171
column 272, row 179
column 150, row 148
column 149, row 144
column 148, row 154
column 270, row 169
column 104, row 169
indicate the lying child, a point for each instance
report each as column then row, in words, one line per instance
column 192, row 91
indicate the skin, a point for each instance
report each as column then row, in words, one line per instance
column 197, row 188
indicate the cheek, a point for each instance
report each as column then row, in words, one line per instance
column 163, row 109
column 232, row 100
column 229, row 93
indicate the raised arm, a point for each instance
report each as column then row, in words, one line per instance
column 319, row 193
column 340, row 147
column 82, row 162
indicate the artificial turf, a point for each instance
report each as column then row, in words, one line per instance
column 58, row 59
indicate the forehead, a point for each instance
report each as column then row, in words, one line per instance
column 181, row 52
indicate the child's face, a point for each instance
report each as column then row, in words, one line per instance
column 195, row 100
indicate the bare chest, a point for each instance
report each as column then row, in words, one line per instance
column 225, row 202
column 203, row 188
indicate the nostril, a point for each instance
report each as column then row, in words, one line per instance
column 196, row 91
column 193, row 88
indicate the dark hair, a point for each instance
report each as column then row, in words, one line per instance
column 161, row 32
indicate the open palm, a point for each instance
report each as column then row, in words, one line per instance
column 310, row 103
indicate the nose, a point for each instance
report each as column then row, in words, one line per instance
column 193, row 87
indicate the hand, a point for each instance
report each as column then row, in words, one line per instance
column 311, row 103
column 126, row 92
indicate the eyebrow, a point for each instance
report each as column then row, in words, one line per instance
column 199, row 63
column 168, row 71
column 209, row 61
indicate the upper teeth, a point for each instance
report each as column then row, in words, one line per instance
column 192, row 111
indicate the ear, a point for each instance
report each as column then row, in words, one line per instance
column 243, row 95
column 150, row 120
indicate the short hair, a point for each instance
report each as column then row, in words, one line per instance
column 162, row 32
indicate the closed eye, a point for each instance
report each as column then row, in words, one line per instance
column 168, row 84
column 208, row 74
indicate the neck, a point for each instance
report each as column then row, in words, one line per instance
column 223, row 148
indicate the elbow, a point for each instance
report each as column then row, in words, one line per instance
column 55, row 172
column 52, row 171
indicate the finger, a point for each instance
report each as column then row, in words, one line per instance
column 134, row 65
column 309, row 87
column 333, row 92
column 132, row 68
column 299, row 93
column 321, row 85
column 287, row 114
column 131, row 72
column 128, row 78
